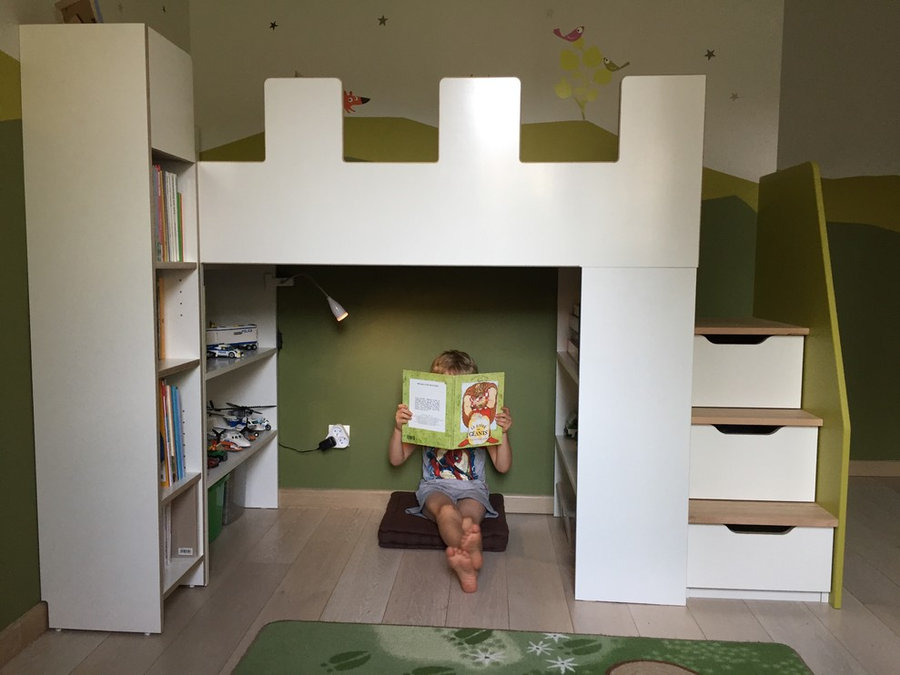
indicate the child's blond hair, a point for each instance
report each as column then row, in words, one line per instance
column 454, row 362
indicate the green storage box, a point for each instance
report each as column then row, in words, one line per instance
column 216, row 508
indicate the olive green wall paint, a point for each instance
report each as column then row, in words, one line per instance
column 401, row 317
column 868, row 200
column 727, row 257
column 20, row 581
column 10, row 85
column 864, row 262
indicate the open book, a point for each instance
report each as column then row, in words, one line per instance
column 452, row 411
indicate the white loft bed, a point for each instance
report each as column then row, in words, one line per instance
column 632, row 226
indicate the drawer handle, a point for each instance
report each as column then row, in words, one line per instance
column 737, row 339
column 747, row 429
column 760, row 529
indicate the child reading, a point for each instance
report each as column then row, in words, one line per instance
column 453, row 492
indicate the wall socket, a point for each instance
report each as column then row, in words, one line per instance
column 341, row 434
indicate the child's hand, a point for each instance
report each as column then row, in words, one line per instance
column 402, row 416
column 504, row 419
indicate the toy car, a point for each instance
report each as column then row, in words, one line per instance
column 257, row 423
column 228, row 351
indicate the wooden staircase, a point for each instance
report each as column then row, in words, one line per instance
column 755, row 529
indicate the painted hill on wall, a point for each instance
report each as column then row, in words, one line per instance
column 396, row 139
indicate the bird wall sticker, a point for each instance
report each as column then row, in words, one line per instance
column 572, row 36
column 586, row 69
column 351, row 100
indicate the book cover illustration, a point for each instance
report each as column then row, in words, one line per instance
column 452, row 411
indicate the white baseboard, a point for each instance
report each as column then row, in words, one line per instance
column 887, row 468
column 792, row 596
column 377, row 499
column 539, row 504
column 22, row 632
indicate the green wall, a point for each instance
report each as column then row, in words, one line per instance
column 401, row 317
column 727, row 257
column 20, row 580
column 865, row 262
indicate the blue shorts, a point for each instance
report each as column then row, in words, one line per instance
column 455, row 490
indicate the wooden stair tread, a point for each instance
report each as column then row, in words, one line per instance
column 746, row 326
column 782, row 417
column 728, row 512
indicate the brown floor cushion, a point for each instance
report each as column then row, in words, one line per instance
column 398, row 529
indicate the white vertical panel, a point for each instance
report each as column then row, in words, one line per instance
column 87, row 157
column 171, row 98
column 633, row 434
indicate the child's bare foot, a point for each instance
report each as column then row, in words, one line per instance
column 461, row 563
column 471, row 543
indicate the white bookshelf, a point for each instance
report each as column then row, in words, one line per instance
column 565, row 447
column 101, row 103
column 237, row 295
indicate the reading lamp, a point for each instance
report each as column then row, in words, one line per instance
column 339, row 312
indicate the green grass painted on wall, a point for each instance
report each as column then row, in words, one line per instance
column 864, row 260
column 401, row 317
column 20, row 581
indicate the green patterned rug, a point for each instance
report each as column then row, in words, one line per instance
column 317, row 647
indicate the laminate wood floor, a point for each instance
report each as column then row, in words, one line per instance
column 324, row 563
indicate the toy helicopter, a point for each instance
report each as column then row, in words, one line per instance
column 245, row 419
column 253, row 419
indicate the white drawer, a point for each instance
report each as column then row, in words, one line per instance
column 764, row 375
column 798, row 560
column 778, row 466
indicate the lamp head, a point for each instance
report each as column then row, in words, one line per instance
column 339, row 312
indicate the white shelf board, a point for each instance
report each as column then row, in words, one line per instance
column 177, row 569
column 169, row 493
column 567, row 449
column 166, row 367
column 175, row 265
column 220, row 366
column 569, row 365
column 235, row 459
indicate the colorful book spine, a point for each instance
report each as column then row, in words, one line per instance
column 167, row 215
column 165, row 469
column 171, row 435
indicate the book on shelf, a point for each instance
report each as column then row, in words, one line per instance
column 171, row 435
column 160, row 318
column 453, row 411
column 167, row 215
column 165, row 478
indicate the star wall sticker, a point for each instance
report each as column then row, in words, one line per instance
column 710, row 54
column 382, row 20
column 273, row 25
